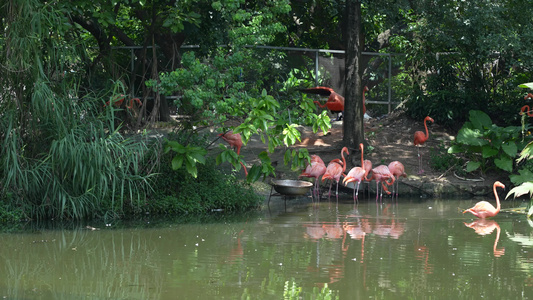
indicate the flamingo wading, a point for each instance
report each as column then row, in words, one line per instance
column 398, row 170
column 356, row 174
column 484, row 209
column 335, row 170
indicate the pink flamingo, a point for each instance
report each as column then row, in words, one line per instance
column 382, row 174
column 483, row 209
column 398, row 170
column 334, row 171
column 315, row 169
column 368, row 167
column 419, row 139
column 356, row 174
column 235, row 142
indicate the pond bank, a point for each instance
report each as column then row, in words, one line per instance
column 387, row 139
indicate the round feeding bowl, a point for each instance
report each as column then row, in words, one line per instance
column 291, row 187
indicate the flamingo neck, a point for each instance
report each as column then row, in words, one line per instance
column 497, row 199
column 362, row 161
column 426, row 126
column 343, row 161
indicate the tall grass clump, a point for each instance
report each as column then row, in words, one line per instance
column 60, row 154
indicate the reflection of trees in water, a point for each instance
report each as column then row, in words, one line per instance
column 66, row 264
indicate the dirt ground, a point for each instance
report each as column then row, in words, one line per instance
column 389, row 138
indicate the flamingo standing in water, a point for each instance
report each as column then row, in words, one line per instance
column 235, row 142
column 381, row 174
column 356, row 174
column 398, row 170
column 334, row 171
column 315, row 169
column 483, row 209
column 420, row 139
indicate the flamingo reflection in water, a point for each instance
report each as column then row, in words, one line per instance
column 485, row 227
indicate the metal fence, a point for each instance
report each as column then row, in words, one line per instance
column 329, row 69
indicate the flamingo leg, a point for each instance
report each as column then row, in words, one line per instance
column 356, row 192
column 377, row 190
column 420, row 170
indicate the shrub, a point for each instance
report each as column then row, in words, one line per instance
column 176, row 192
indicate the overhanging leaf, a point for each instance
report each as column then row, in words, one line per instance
column 526, row 153
column 528, row 85
column 524, row 188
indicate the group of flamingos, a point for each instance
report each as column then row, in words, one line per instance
column 386, row 175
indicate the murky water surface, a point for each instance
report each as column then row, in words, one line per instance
column 394, row 250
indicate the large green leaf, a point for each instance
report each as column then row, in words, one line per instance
column 480, row 120
column 524, row 175
column 472, row 166
column 504, row 163
column 455, row 149
column 177, row 162
column 471, row 137
column 510, row 148
column 489, row 151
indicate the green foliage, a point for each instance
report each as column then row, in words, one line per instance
column 523, row 181
column 458, row 55
column 9, row 214
column 486, row 145
column 217, row 90
column 178, row 193
column 191, row 155
column 441, row 160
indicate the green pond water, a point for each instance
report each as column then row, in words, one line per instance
column 405, row 249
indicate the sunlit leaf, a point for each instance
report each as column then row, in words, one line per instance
column 528, row 85
column 470, row 137
column 526, row 153
column 455, row 149
column 523, row 189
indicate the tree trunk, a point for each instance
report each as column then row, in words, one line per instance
column 353, row 95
